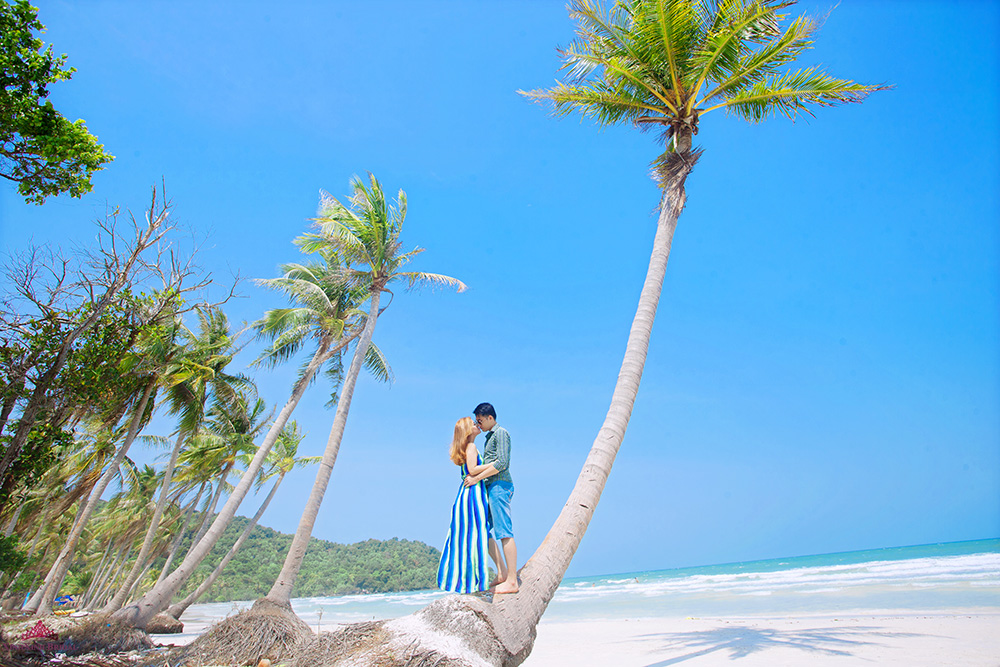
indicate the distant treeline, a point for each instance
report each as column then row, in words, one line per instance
column 372, row 566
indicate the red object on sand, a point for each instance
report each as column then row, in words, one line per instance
column 39, row 631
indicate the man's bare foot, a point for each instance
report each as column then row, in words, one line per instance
column 496, row 582
column 506, row 587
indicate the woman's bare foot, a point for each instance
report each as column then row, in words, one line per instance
column 496, row 582
column 506, row 587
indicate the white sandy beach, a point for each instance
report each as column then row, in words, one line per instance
column 965, row 637
column 907, row 607
column 968, row 637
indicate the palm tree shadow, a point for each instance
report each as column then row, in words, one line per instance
column 742, row 641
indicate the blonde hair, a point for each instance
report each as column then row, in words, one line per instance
column 464, row 427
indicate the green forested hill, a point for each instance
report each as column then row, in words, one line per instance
column 373, row 566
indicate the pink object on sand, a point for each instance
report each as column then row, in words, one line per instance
column 39, row 631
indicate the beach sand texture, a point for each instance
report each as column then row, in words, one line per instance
column 909, row 607
column 969, row 638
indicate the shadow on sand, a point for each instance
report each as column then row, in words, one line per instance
column 740, row 641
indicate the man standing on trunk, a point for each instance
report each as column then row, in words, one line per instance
column 500, row 489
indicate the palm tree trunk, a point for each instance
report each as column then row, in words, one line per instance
column 502, row 632
column 281, row 591
column 176, row 546
column 209, row 510
column 61, row 565
column 98, row 576
column 157, row 599
column 38, row 535
column 544, row 571
column 154, row 523
column 13, row 521
column 34, row 545
column 106, row 579
column 138, row 580
column 116, row 572
column 176, row 610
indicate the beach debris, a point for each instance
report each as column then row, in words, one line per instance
column 102, row 634
column 265, row 631
column 164, row 624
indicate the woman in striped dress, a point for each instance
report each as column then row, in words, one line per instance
column 463, row 567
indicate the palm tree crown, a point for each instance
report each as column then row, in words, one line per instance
column 323, row 307
column 365, row 236
column 668, row 62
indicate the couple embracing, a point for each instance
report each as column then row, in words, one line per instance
column 480, row 516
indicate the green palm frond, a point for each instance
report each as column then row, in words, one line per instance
column 365, row 236
column 790, row 94
column 422, row 278
column 157, row 441
column 669, row 30
column 286, row 346
column 765, row 62
column 720, row 52
column 306, row 461
column 334, row 372
column 668, row 62
column 378, row 365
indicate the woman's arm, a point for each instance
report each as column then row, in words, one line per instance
column 477, row 473
column 471, row 456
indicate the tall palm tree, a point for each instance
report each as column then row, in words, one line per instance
column 138, row 415
column 183, row 518
column 666, row 63
column 652, row 63
column 365, row 235
column 124, row 517
column 142, row 366
column 324, row 313
column 193, row 373
column 283, row 459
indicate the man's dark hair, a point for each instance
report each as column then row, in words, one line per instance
column 485, row 410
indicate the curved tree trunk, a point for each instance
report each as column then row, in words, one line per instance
column 139, row 612
column 31, row 552
column 147, row 542
column 176, row 610
column 61, row 566
column 501, row 632
column 209, row 510
column 281, row 591
column 115, row 573
column 94, row 581
column 544, row 571
column 13, row 521
column 176, row 546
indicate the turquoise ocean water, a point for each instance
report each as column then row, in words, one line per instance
column 932, row 577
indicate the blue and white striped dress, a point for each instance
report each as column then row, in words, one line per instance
column 463, row 567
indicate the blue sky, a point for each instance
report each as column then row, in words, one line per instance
column 824, row 373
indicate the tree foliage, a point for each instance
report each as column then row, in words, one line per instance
column 40, row 150
column 372, row 566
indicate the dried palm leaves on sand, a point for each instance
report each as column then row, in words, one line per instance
column 266, row 630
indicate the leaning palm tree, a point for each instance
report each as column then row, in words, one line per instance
column 664, row 64
column 282, row 460
column 364, row 238
column 365, row 235
column 140, row 405
column 324, row 312
column 192, row 373
column 651, row 63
